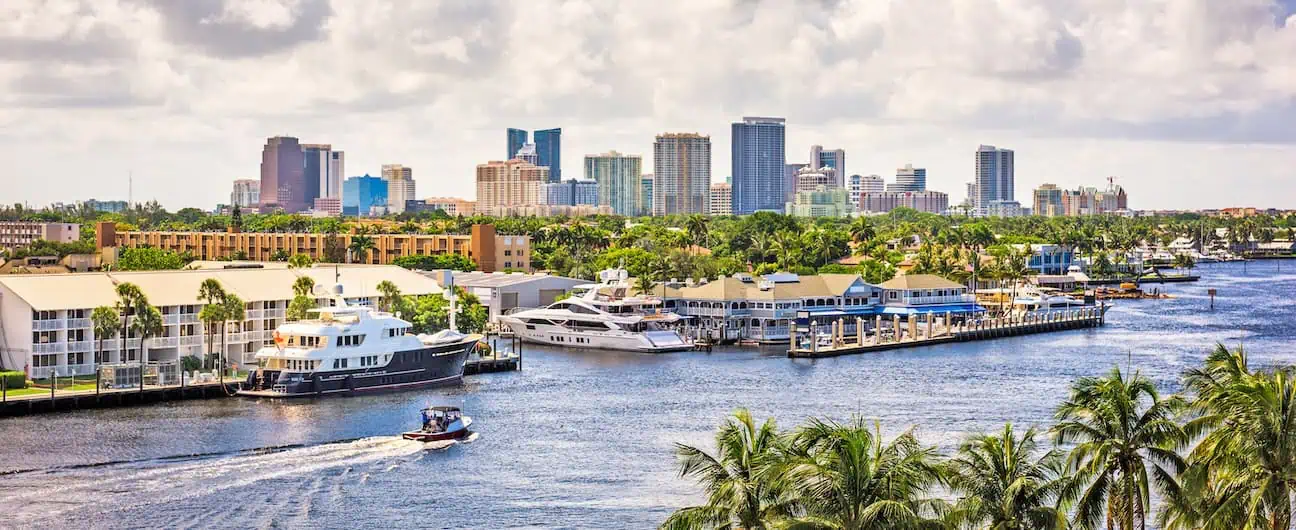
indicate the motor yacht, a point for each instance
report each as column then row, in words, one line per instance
column 345, row 349
column 602, row 316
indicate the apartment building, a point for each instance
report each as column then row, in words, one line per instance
column 45, row 322
column 15, row 234
column 483, row 245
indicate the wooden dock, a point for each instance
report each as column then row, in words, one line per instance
column 934, row 331
column 119, row 397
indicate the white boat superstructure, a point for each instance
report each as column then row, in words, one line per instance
column 1045, row 299
column 346, row 348
column 602, row 316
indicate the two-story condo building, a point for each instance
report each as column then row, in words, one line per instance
column 45, row 319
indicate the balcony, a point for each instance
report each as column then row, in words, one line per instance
column 52, row 347
column 78, row 323
column 48, row 325
column 80, row 346
column 255, row 314
column 275, row 313
column 928, row 300
column 190, row 340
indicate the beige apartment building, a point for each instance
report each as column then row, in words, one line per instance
column 491, row 251
column 14, row 234
column 504, row 185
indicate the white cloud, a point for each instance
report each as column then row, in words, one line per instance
column 187, row 91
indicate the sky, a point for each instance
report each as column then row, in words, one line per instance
column 1187, row 103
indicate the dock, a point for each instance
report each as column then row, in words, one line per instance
column 63, row 400
column 935, row 330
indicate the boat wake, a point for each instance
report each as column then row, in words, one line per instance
column 281, row 485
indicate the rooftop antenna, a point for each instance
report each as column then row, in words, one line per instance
column 130, row 188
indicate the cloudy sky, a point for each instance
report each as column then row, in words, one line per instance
column 1189, row 103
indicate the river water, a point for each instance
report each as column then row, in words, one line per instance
column 582, row 439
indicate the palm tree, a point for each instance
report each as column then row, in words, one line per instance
column 360, row 246
column 210, row 315
column 737, row 494
column 211, row 291
column 232, row 310
column 1122, row 430
column 390, row 295
column 644, row 283
column 1004, row 483
column 846, row 477
column 303, row 285
column 148, row 323
column 299, row 261
column 784, row 246
column 129, row 298
column 862, row 230
column 698, row 232
column 104, row 319
column 1240, row 473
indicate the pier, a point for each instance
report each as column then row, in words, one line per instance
column 937, row 330
column 62, row 400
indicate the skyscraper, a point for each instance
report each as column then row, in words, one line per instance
column 758, row 158
column 504, row 185
column 316, row 161
column 548, row 143
column 570, row 193
column 789, row 180
column 858, row 185
column 909, row 178
column 331, row 187
column 682, row 173
column 646, row 195
column 361, row 194
column 721, row 199
column 516, row 139
column 246, row 194
column 833, row 158
column 1048, row 201
column 994, row 176
column 282, row 176
column 400, row 186
column 619, row 179
column 528, row 153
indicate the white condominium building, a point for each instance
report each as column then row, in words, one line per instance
column 45, row 319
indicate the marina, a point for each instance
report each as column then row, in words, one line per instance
column 583, row 438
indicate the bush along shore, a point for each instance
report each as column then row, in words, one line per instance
column 1221, row 455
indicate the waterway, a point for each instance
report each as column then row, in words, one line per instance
column 583, row 439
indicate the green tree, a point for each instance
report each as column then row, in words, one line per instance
column 129, row 299
column 360, row 246
column 390, row 295
column 104, row 319
column 424, row 262
column 299, row 308
column 1125, row 438
column 234, row 311
column 1242, row 472
column 210, row 315
column 862, row 230
column 1004, row 482
column 303, row 286
column 845, row 476
column 210, row 291
column 300, row 261
column 151, row 259
column 738, row 493
column 147, row 324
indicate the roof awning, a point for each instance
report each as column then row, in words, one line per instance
column 851, row 312
column 933, row 308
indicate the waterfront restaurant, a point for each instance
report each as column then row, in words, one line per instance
column 45, row 319
column 761, row 309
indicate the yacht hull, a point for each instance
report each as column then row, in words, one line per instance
column 432, row 365
column 650, row 342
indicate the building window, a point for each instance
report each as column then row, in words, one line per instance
column 43, row 361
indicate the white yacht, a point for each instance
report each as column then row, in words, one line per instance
column 604, row 316
column 1044, row 299
column 348, row 349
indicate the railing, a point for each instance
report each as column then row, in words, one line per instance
column 952, row 299
column 188, row 318
column 275, row 313
column 80, row 346
column 77, row 323
column 53, row 347
column 48, row 325
column 191, row 340
column 162, row 342
column 255, row 314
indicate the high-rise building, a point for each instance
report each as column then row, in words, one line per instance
column 331, row 186
column 317, row 160
column 647, row 194
column 246, row 194
column 516, row 139
column 282, row 176
column 1048, row 201
column 619, row 179
column 810, row 179
column 858, row 185
column 528, row 154
column 571, row 192
column 400, row 186
column 833, row 158
column 789, row 179
column 971, row 193
column 682, row 173
column 822, row 201
column 909, row 178
column 507, row 184
column 361, row 195
column 994, row 177
column 721, row 199
column 548, row 144
column 758, row 158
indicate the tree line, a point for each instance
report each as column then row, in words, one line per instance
column 1219, row 455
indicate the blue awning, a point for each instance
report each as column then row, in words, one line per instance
column 933, row 308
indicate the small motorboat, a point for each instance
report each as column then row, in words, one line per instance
column 441, row 423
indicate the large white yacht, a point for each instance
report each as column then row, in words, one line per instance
column 348, row 349
column 604, row 316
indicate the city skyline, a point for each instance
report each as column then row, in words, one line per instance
column 1059, row 87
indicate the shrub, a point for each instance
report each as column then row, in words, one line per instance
column 14, row 379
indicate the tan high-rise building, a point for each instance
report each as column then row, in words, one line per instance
column 721, row 199
column 681, row 173
column 400, row 186
column 505, row 185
